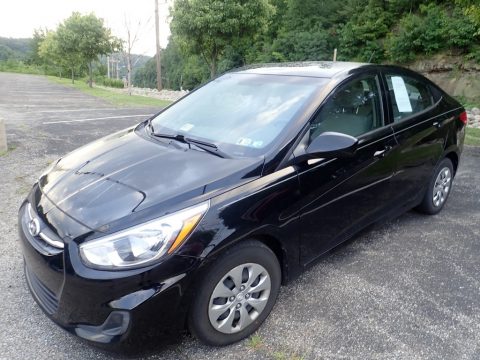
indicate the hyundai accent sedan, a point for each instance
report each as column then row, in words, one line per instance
column 195, row 217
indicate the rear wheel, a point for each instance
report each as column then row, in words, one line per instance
column 438, row 189
column 236, row 295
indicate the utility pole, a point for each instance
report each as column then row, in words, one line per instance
column 157, row 35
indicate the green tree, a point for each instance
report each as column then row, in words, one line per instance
column 472, row 10
column 50, row 54
column 313, row 45
column 38, row 37
column 60, row 48
column 6, row 53
column 433, row 29
column 361, row 38
column 83, row 38
column 207, row 27
column 397, row 31
column 179, row 71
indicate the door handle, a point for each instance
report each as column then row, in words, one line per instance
column 381, row 153
column 437, row 124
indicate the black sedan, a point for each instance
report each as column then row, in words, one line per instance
column 195, row 217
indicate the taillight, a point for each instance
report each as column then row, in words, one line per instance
column 463, row 117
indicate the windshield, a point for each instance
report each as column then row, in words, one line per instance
column 241, row 113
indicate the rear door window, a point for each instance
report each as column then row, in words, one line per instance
column 408, row 96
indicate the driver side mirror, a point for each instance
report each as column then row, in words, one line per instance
column 332, row 145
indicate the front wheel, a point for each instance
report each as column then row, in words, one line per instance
column 438, row 189
column 236, row 294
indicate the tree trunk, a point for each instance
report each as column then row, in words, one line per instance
column 73, row 75
column 213, row 67
column 158, row 55
column 129, row 73
column 90, row 75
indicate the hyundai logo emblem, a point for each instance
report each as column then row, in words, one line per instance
column 34, row 227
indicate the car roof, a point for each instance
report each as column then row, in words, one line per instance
column 320, row 69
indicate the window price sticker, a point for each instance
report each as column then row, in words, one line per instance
column 401, row 94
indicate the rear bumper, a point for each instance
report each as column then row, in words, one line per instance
column 104, row 306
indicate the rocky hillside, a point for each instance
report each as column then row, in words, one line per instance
column 460, row 78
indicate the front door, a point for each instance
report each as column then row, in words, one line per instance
column 340, row 196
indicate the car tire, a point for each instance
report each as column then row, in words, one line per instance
column 222, row 313
column 438, row 189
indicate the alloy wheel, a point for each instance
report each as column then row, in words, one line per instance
column 442, row 187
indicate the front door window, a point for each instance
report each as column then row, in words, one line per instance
column 354, row 109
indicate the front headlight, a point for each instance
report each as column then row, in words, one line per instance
column 142, row 244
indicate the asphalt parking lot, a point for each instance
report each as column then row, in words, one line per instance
column 406, row 289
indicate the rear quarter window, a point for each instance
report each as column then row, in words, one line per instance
column 408, row 96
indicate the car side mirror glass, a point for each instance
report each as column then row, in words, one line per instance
column 332, row 145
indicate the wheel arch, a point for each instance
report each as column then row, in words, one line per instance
column 276, row 246
column 454, row 158
column 287, row 257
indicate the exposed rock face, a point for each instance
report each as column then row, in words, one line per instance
column 473, row 116
column 171, row 95
column 453, row 74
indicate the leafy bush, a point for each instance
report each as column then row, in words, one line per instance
column 361, row 37
column 397, row 31
column 474, row 54
column 302, row 45
column 16, row 66
column 431, row 31
column 460, row 31
column 114, row 83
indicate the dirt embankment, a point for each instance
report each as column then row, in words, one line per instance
column 453, row 74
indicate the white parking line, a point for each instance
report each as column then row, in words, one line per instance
column 95, row 119
column 75, row 110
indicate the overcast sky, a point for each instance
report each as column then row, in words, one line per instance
column 18, row 18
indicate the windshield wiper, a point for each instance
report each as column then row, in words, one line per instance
column 208, row 147
column 204, row 145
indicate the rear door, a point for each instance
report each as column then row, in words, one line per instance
column 419, row 129
column 340, row 196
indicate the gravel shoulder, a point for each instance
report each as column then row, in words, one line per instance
column 404, row 289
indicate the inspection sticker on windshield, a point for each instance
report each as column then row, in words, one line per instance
column 401, row 94
column 187, row 127
column 244, row 141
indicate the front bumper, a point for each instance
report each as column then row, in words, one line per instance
column 107, row 306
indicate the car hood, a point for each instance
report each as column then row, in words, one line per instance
column 127, row 172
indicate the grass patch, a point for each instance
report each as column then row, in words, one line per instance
column 280, row 355
column 472, row 137
column 255, row 342
column 10, row 149
column 468, row 103
column 14, row 66
column 112, row 97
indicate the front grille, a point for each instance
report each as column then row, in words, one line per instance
column 45, row 241
column 46, row 298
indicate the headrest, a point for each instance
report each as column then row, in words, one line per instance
column 351, row 97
